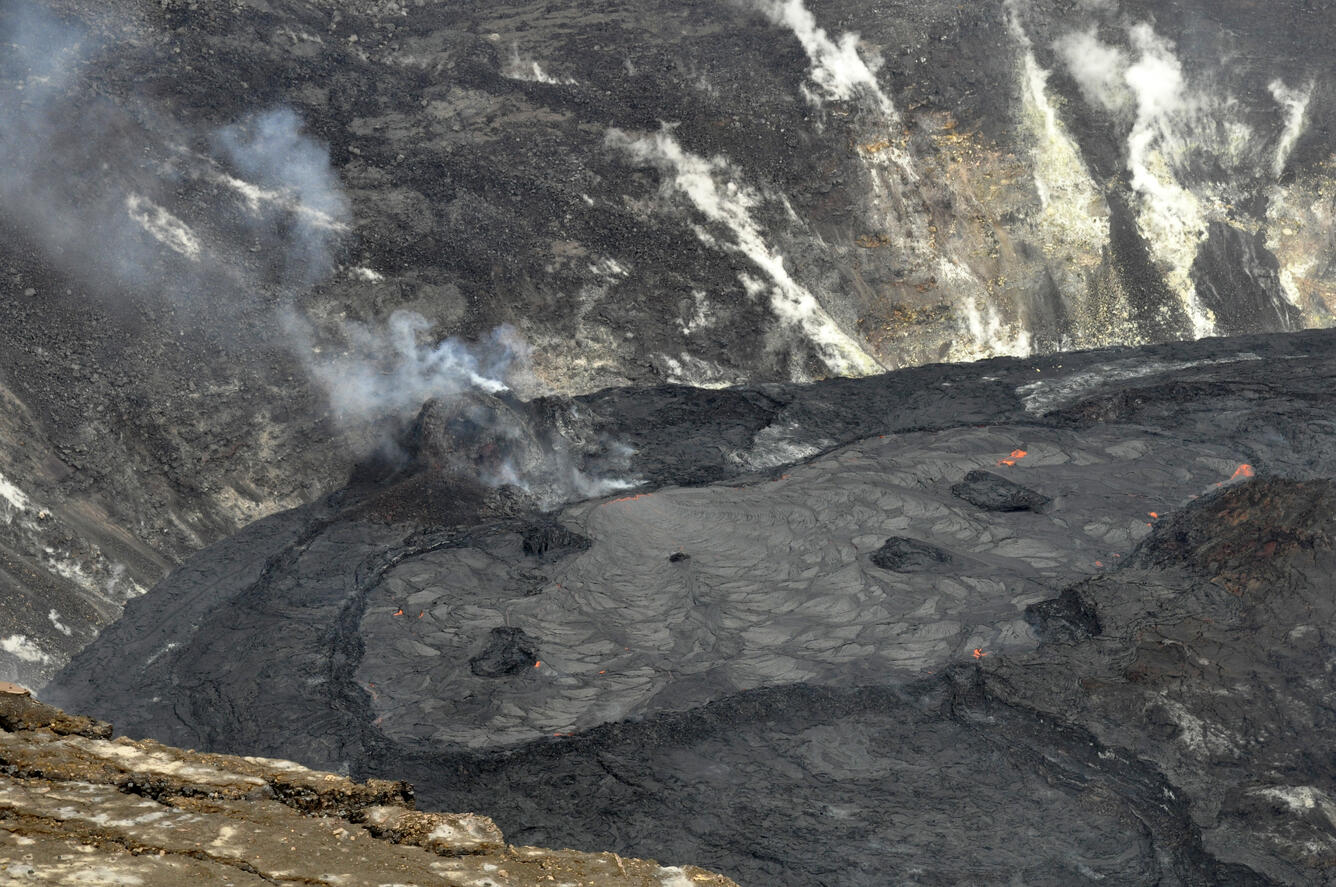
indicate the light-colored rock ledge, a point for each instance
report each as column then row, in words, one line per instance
column 78, row 806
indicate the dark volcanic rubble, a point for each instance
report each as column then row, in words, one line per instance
column 1210, row 660
column 1125, row 685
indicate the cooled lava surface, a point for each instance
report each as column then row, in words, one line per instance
column 1045, row 621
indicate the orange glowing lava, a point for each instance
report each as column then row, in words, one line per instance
column 1244, row 470
column 979, row 653
column 538, row 664
column 399, row 612
column 1154, row 514
column 1016, row 456
column 628, row 498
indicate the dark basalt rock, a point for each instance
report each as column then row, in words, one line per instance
column 509, row 651
column 904, row 555
column 994, row 493
column 552, row 541
column 1227, row 541
column 1064, row 619
column 481, row 194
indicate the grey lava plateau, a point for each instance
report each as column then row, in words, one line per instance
column 827, row 443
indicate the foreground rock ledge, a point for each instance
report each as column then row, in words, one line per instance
column 77, row 806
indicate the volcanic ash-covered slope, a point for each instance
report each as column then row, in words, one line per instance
column 1050, row 620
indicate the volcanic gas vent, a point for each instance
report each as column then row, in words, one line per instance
column 539, row 448
column 476, row 434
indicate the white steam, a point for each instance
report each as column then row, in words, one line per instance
column 711, row 187
column 1168, row 120
column 164, row 227
column 380, row 377
column 1295, row 104
column 120, row 194
column 133, row 200
column 1181, row 127
column 54, row 617
column 289, row 174
column 393, row 370
column 521, row 67
column 1171, row 215
column 1074, row 211
column 1097, row 68
column 25, row 648
column 14, row 499
column 838, row 68
column 987, row 334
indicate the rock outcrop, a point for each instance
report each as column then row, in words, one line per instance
column 80, row 807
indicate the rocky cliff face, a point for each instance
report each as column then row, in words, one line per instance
column 79, row 807
column 213, row 211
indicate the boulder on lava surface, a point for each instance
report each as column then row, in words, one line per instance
column 904, row 555
column 994, row 493
column 509, row 651
column 1065, row 619
column 549, row 542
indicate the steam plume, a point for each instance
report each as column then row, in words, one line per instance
column 289, row 174
column 1169, row 121
column 521, row 67
column 95, row 182
column 381, row 379
column 837, row 67
column 1097, row 68
column 1295, row 104
column 393, row 370
column 713, row 192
